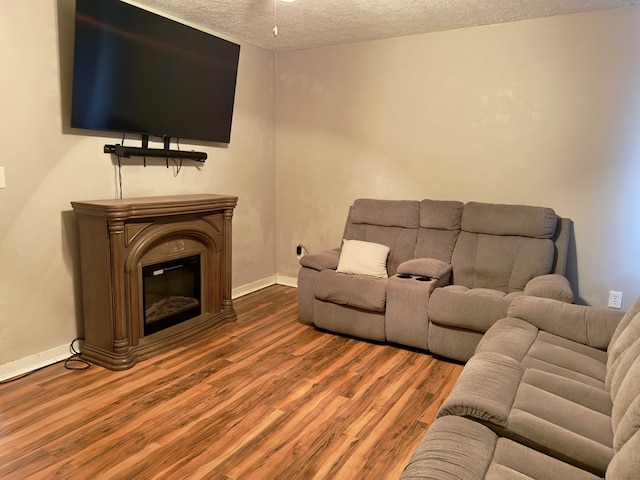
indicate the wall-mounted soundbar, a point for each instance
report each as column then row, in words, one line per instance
column 127, row 152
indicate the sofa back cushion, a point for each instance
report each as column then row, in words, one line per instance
column 625, row 464
column 503, row 246
column 623, row 347
column 439, row 229
column 393, row 223
column 625, row 414
column 621, row 340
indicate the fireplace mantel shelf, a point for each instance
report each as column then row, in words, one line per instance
column 141, row 207
column 118, row 238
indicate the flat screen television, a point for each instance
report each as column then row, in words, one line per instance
column 136, row 71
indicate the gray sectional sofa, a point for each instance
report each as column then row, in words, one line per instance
column 552, row 392
column 450, row 271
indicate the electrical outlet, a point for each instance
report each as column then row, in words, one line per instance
column 615, row 299
column 299, row 251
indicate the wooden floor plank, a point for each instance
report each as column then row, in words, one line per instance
column 261, row 397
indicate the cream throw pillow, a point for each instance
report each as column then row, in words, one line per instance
column 363, row 258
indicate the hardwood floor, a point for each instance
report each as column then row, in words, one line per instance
column 261, row 398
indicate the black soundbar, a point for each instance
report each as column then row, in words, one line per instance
column 128, row 152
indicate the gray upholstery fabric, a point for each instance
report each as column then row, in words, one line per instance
column 616, row 346
column 473, row 309
column 544, row 396
column 439, row 229
column 566, row 358
column 509, row 336
column 586, row 325
column 452, row 342
column 360, row 291
column 441, row 214
column 626, row 463
column 512, row 460
column 306, row 294
column 361, row 323
column 623, row 340
column 627, row 426
column 393, row 223
column 429, row 267
column 561, row 405
column 501, row 263
column 386, row 213
column 461, row 449
column 322, row 261
column 624, row 407
column 561, row 428
column 485, row 390
column 552, row 286
column 491, row 253
column 452, row 449
column 406, row 318
column 535, row 348
column 400, row 240
column 621, row 367
column 503, row 252
column 509, row 220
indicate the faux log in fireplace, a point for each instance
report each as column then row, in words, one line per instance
column 156, row 272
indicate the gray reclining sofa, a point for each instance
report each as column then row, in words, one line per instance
column 451, row 271
column 552, row 392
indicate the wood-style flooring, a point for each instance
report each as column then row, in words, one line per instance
column 264, row 397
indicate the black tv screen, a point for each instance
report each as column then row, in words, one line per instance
column 135, row 71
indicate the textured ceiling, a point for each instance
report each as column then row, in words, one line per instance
column 314, row 23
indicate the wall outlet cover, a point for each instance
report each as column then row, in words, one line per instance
column 615, row 299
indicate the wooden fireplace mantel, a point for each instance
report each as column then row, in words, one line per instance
column 117, row 238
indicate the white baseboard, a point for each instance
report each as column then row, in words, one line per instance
column 49, row 357
column 253, row 287
column 34, row 362
column 287, row 281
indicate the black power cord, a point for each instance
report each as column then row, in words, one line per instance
column 74, row 362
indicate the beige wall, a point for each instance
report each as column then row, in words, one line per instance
column 49, row 165
column 542, row 112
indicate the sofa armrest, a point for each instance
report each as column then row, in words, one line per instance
column 426, row 267
column 587, row 325
column 327, row 260
column 550, row 286
column 486, row 389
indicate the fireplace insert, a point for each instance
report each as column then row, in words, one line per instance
column 171, row 292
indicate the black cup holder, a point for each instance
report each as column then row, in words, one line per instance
column 420, row 278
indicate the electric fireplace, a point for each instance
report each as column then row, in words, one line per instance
column 171, row 293
column 156, row 272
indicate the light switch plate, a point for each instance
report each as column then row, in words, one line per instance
column 2, row 181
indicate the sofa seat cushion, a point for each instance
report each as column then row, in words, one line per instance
column 535, row 348
column 469, row 308
column 567, row 419
column 558, row 355
column 459, row 448
column 359, row 291
column 567, row 422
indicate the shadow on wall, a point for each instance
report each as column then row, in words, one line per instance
column 71, row 257
column 571, row 269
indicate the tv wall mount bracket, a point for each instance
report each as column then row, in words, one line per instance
column 145, row 151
